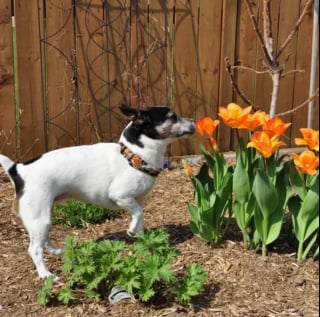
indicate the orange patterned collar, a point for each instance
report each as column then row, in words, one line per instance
column 137, row 162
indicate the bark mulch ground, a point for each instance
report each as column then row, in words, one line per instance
column 240, row 282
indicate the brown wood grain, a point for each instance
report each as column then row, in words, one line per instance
column 98, row 54
column 7, row 106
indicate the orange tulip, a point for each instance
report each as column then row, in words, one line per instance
column 264, row 144
column 211, row 143
column 233, row 115
column 206, row 126
column 187, row 168
column 252, row 121
column 310, row 138
column 307, row 162
column 275, row 126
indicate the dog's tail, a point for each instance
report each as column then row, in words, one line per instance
column 6, row 163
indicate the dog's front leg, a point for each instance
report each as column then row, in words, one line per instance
column 136, row 211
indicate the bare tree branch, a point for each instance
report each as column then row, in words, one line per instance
column 250, row 69
column 235, row 86
column 295, row 28
column 259, row 35
column 315, row 94
column 270, row 57
column 267, row 30
column 293, row 71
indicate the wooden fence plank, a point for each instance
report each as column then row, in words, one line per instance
column 246, row 52
column 29, row 74
column 264, row 82
column 185, row 67
column 228, row 40
column 7, row 106
column 289, row 15
column 157, row 29
column 57, row 50
column 89, row 68
column 116, row 65
column 137, row 52
column 103, row 72
column 210, row 23
column 300, row 90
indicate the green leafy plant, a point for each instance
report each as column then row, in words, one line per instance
column 44, row 294
column 144, row 269
column 213, row 197
column 244, row 203
column 76, row 214
column 304, row 209
column 261, row 185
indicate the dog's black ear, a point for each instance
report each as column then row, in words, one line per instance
column 126, row 110
column 133, row 114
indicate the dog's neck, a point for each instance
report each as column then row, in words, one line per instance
column 150, row 150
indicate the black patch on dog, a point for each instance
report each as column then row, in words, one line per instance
column 18, row 181
column 31, row 160
column 145, row 123
column 132, row 134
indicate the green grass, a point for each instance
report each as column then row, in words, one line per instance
column 77, row 214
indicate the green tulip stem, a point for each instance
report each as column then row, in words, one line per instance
column 264, row 249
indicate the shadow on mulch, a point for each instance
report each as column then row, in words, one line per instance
column 177, row 234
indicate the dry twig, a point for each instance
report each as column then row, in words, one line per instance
column 314, row 95
column 235, row 86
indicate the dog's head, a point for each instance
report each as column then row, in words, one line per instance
column 158, row 123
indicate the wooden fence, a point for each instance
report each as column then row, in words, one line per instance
column 65, row 65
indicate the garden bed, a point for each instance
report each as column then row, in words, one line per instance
column 240, row 283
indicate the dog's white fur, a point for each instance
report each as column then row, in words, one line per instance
column 96, row 173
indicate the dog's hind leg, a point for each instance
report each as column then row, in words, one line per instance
column 37, row 241
column 37, row 222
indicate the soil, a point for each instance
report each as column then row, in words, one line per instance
column 240, row 282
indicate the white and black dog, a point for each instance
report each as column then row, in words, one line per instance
column 112, row 175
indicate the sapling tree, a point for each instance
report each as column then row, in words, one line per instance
column 270, row 55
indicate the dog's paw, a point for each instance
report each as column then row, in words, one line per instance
column 131, row 234
column 48, row 274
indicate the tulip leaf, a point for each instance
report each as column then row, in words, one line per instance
column 207, row 216
column 311, row 243
column 294, row 205
column 296, row 180
column 194, row 228
column 275, row 224
column 310, row 205
column 193, row 212
column 241, row 182
column 206, row 232
column 265, row 193
column 312, row 227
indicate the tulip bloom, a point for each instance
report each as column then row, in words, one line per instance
column 264, row 144
column 187, row 168
column 211, row 143
column 252, row 121
column 310, row 139
column 275, row 126
column 233, row 115
column 307, row 162
column 206, row 126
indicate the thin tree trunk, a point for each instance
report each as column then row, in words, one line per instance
column 275, row 93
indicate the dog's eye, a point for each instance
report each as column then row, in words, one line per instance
column 173, row 117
